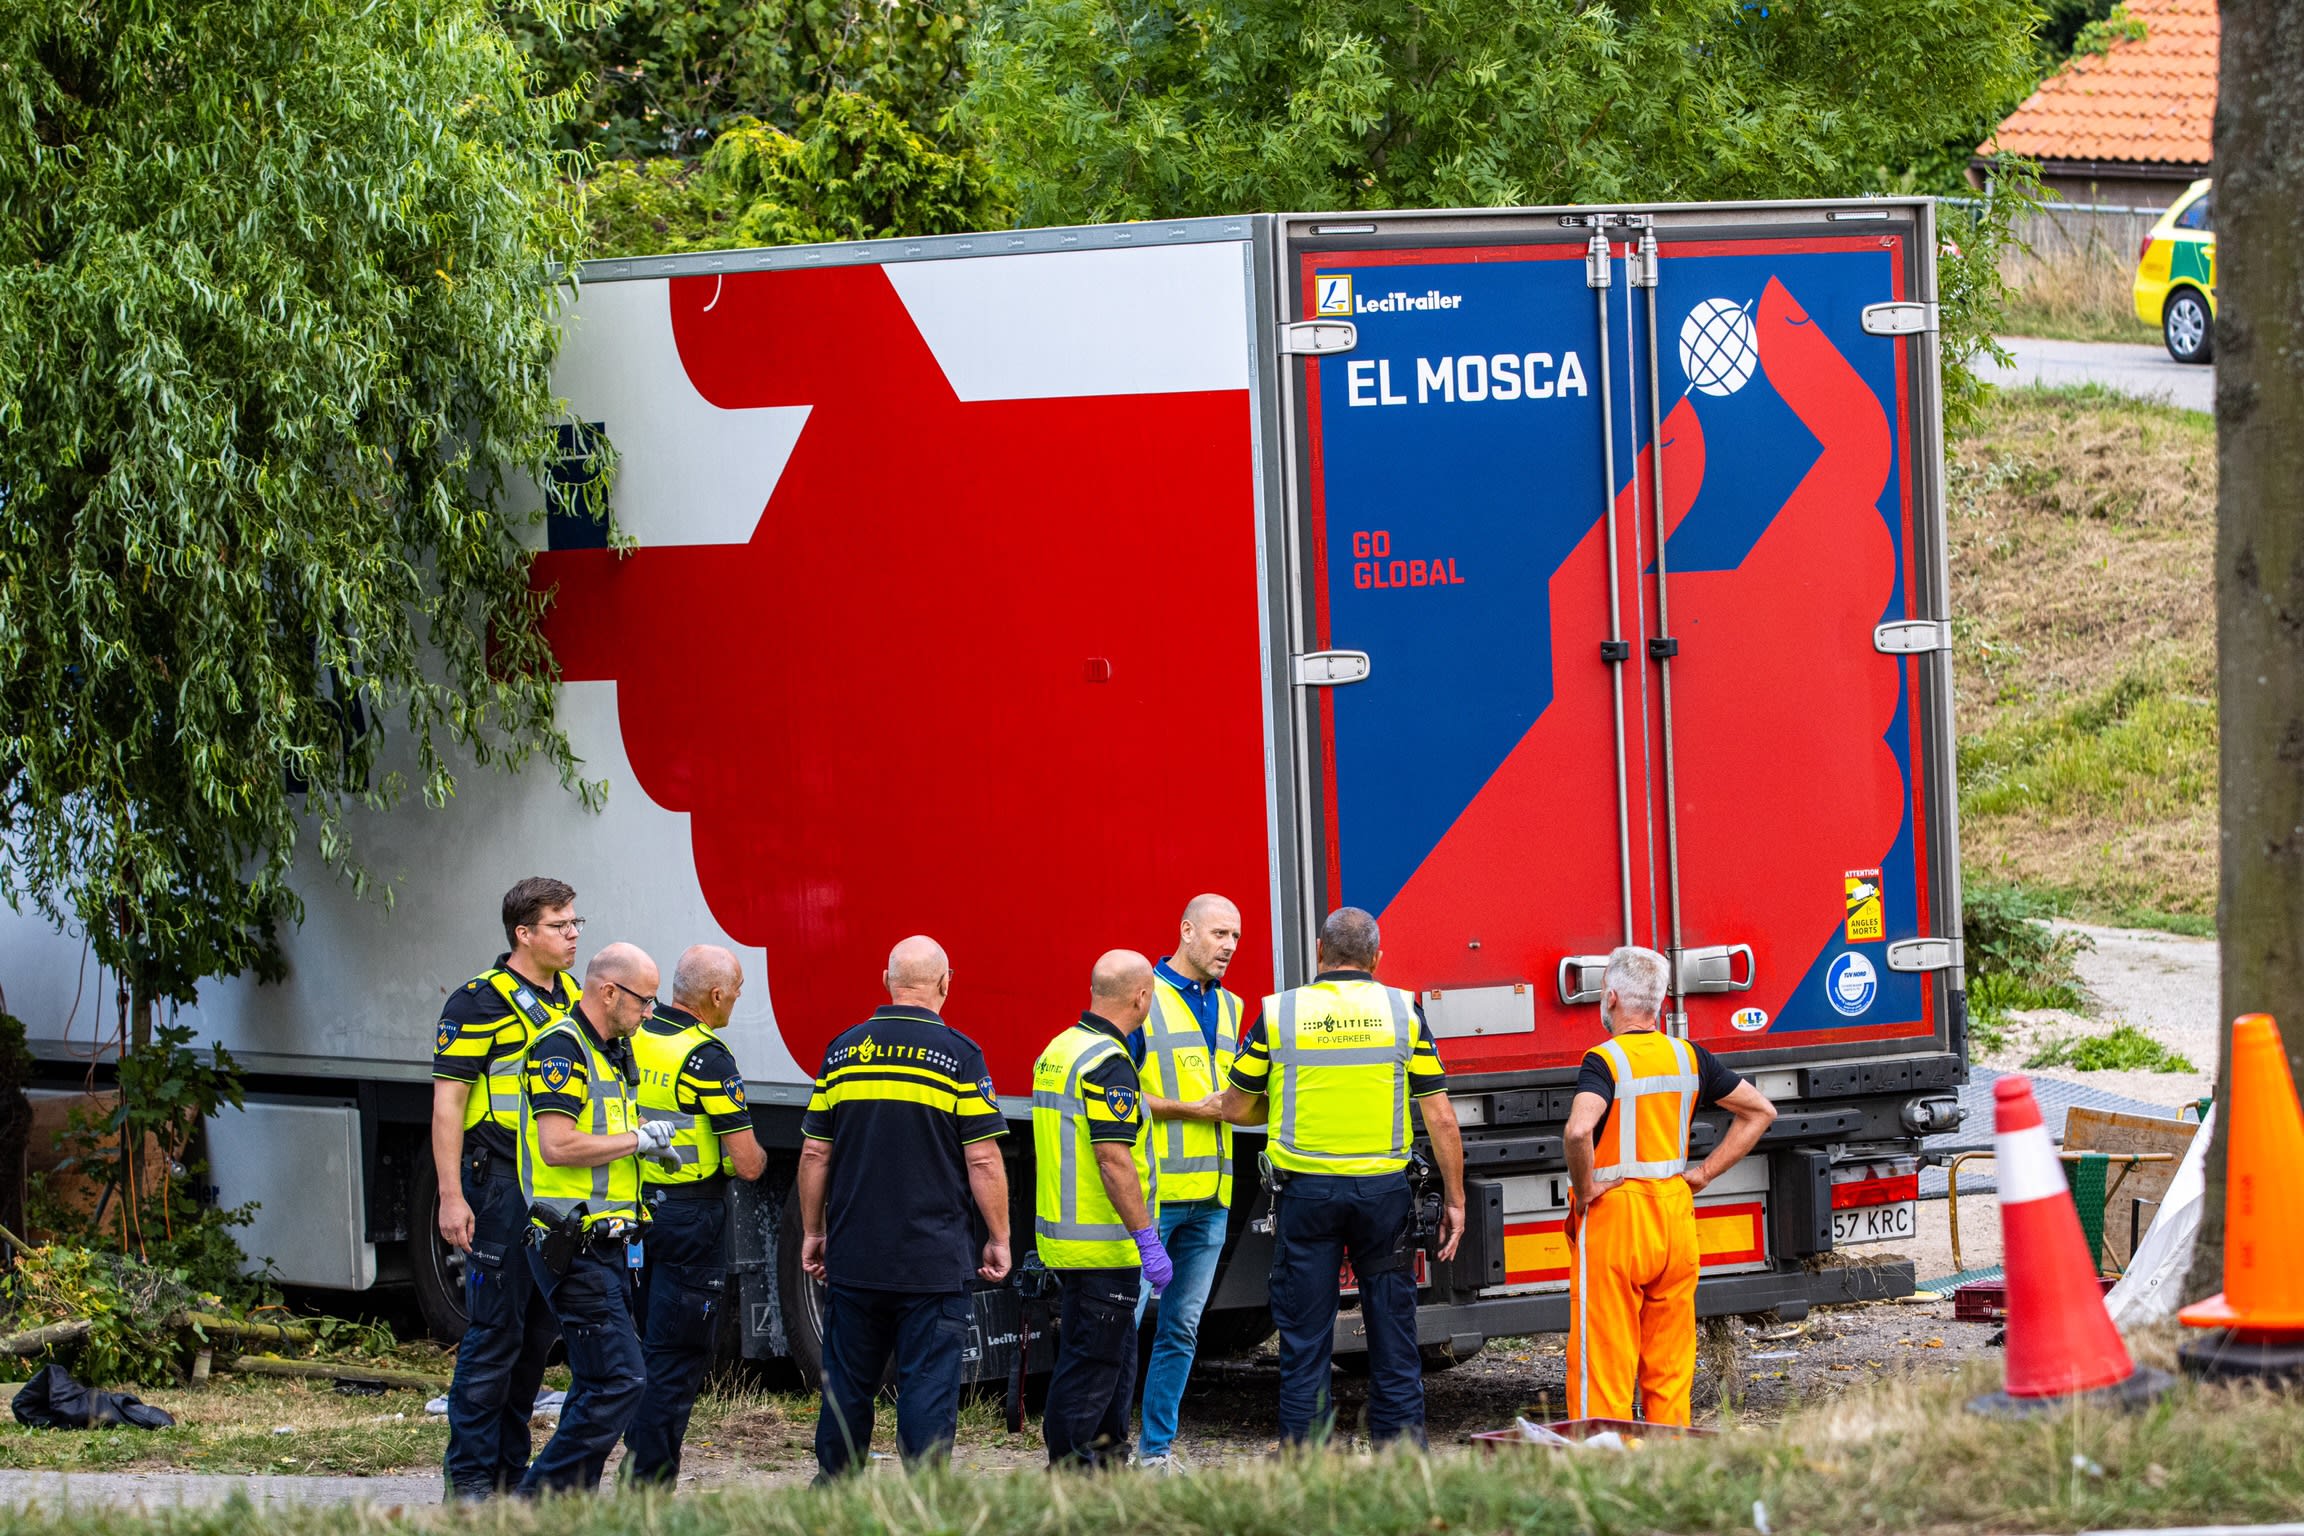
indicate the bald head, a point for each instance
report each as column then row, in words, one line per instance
column 1207, row 937
column 1120, row 988
column 918, row 975
column 707, row 982
column 620, row 988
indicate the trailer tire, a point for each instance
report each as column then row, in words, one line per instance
column 436, row 1269
column 801, row 1299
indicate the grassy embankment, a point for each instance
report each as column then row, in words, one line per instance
column 1900, row 1458
column 2083, row 533
column 2076, row 294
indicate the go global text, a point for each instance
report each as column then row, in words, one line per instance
column 1466, row 380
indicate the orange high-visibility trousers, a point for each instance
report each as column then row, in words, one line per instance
column 1632, row 1303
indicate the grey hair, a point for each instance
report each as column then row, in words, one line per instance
column 1350, row 938
column 701, row 968
column 1638, row 977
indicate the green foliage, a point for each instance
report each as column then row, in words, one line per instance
column 276, row 322
column 2115, row 26
column 2139, row 746
column 666, row 77
column 2014, row 960
column 1138, row 109
column 141, row 1157
column 2126, row 1049
column 857, row 171
column 125, row 1301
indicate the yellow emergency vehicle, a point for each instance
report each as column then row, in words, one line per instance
column 2176, row 275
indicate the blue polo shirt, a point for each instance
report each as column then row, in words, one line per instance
column 1204, row 998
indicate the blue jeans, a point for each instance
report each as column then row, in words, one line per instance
column 927, row 1331
column 1193, row 1234
column 606, row 1370
column 681, row 1290
column 1316, row 1218
column 500, row 1364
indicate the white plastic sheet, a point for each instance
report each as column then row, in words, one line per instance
column 2154, row 1281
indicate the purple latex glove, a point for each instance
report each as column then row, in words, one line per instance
column 1158, row 1268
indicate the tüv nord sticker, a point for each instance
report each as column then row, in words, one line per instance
column 1750, row 1020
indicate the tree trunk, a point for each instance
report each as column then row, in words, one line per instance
column 2259, row 543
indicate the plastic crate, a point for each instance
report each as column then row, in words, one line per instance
column 1986, row 1301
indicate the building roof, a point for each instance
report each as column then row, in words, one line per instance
column 2148, row 101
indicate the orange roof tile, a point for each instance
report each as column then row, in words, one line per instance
column 2149, row 99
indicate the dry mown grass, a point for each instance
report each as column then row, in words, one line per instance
column 2083, row 292
column 2083, row 534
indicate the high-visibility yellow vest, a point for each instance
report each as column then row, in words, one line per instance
column 1194, row 1156
column 660, row 1058
column 1647, row 1132
column 496, row 1097
column 611, row 1103
column 1076, row 1224
column 1339, row 1083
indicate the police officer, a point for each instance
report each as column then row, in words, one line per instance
column 1189, row 1039
column 1341, row 1060
column 581, row 1140
column 1096, row 1208
column 1632, row 1204
column 689, row 1079
column 478, row 1054
column 902, row 1131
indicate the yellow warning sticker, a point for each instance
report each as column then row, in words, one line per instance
column 1866, row 920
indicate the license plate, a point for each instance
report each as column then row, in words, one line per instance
column 1875, row 1223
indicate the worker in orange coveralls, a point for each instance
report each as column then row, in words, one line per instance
column 1632, row 1207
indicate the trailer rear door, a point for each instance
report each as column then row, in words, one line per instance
column 1476, row 478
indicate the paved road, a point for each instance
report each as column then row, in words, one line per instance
column 169, row 1490
column 2148, row 373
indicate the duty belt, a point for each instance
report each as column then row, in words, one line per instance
column 485, row 1165
column 711, row 1187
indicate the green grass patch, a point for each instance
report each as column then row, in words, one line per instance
column 2135, row 749
column 2126, row 1049
column 1900, row 1458
column 2015, row 961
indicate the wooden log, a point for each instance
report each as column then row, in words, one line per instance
column 33, row 1340
column 216, row 1327
column 330, row 1370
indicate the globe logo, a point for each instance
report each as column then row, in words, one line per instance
column 1717, row 350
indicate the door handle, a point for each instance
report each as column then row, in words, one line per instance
column 1712, row 968
column 1583, row 979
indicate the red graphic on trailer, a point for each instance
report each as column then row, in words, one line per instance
column 985, row 670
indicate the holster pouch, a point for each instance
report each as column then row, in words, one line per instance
column 557, row 1242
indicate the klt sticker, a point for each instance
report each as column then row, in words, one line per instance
column 1866, row 920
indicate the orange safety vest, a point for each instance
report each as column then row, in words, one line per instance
column 1656, row 1083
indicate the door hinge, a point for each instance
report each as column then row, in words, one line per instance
column 1906, row 317
column 1912, row 637
column 1318, row 338
column 1926, row 955
column 1328, row 669
column 1582, row 979
column 1713, row 968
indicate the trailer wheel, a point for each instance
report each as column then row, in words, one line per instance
column 438, row 1270
column 801, row 1299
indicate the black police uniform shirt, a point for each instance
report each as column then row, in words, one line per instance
column 1715, row 1080
column 559, row 1074
column 1111, row 1092
column 477, row 1028
column 899, row 1097
column 709, row 1084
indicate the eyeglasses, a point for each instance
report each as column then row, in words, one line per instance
column 567, row 927
column 642, row 998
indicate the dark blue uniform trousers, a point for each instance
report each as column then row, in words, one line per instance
column 606, row 1372
column 681, row 1289
column 927, row 1332
column 1086, row 1423
column 500, row 1364
column 1316, row 1219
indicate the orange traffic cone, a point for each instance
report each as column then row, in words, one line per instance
column 2261, row 1308
column 2061, row 1341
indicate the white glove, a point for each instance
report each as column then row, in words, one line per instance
column 656, row 1142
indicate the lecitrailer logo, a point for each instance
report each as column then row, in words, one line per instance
column 1333, row 295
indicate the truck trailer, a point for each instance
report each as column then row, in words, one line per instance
column 1540, row 580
